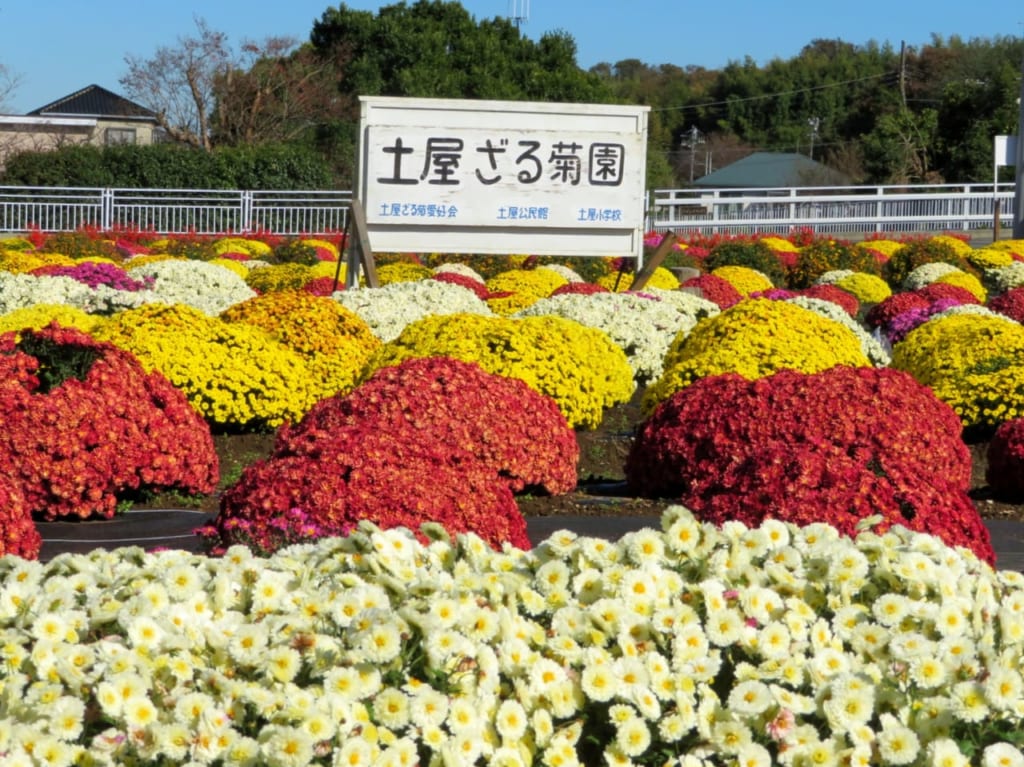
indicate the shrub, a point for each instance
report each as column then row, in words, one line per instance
column 916, row 253
column 580, row 368
column 402, row 271
column 234, row 375
column 334, row 341
column 751, row 254
column 755, row 338
column 275, row 277
column 823, row 256
column 84, row 423
column 837, row 446
column 519, row 434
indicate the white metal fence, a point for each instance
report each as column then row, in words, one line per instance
column 824, row 210
column 174, row 211
column 832, row 210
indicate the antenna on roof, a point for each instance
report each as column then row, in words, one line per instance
column 519, row 12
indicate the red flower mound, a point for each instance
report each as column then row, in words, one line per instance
column 322, row 286
column 85, row 424
column 464, row 281
column 938, row 291
column 835, row 447
column 836, row 295
column 882, row 313
column 1009, row 304
column 358, row 472
column 715, row 289
column 18, row 533
column 517, row 432
column 581, row 288
column 428, row 440
column 1005, row 470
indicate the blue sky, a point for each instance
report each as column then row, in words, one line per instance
column 59, row 46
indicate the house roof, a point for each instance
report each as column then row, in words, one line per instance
column 773, row 169
column 94, row 101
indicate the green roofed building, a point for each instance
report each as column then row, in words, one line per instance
column 764, row 170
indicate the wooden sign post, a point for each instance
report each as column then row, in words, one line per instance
column 654, row 261
column 360, row 254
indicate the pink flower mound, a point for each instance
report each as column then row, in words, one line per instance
column 835, row 447
column 882, row 313
column 716, row 289
column 517, row 432
column 429, row 440
column 1005, row 470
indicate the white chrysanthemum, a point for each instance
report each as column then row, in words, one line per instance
column 511, row 720
column 1002, row 755
column 139, row 712
column 23, row 291
column 929, row 672
column 381, row 643
column 354, row 752
column 897, row 744
column 833, row 276
column 460, row 269
column 944, row 752
column 749, row 698
column 890, row 609
column 599, row 683
column 428, row 707
column 66, row 717
column 208, row 287
column 389, row 308
column 632, row 736
column 282, row 663
column 724, row 627
column 850, row 703
column 285, row 746
column 1003, row 688
column 926, row 274
column 391, row 708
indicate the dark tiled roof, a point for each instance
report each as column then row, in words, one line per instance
column 773, row 169
column 93, row 101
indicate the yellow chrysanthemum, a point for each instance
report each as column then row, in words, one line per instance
column 18, row 262
column 744, row 279
column 989, row 257
column 401, row 271
column 334, row 341
column 661, row 278
column 525, row 287
column 966, row 281
column 962, row 248
column 579, row 367
column 255, row 248
column 267, row 279
column 779, row 244
column 885, row 247
column 755, row 338
column 40, row 315
column 238, row 267
column 868, row 288
column 321, row 244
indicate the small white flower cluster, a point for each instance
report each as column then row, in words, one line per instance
column 643, row 327
column 460, row 269
column 926, row 274
column 208, row 287
column 870, row 344
column 389, row 308
column 834, row 276
column 19, row 291
column 692, row 645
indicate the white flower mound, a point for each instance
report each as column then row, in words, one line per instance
column 389, row 308
column 20, row 291
column 926, row 274
column 210, row 288
column 692, row 639
column 643, row 327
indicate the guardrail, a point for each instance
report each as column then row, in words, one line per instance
column 823, row 210
column 831, row 210
column 174, row 211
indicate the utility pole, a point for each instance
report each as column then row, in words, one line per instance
column 814, row 122
column 1018, row 194
column 694, row 139
column 903, row 73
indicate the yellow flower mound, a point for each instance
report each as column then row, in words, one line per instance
column 334, row 341
column 961, row 247
column 660, row 278
column 989, row 257
column 868, row 288
column 744, row 279
column 329, row 269
column 401, row 271
column 267, row 279
column 1014, row 246
column 17, row 262
column 885, row 247
column 237, row 267
column 234, row 375
column 40, row 315
column 527, row 287
column 966, row 281
column 780, row 245
column 755, row 338
column 579, row 367
column 973, row 362
column 255, row 248
column 153, row 258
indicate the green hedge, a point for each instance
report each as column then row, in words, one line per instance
column 169, row 166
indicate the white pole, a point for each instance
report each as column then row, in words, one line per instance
column 1018, row 194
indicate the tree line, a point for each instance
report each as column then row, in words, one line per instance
column 877, row 113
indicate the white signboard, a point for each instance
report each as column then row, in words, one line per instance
column 1005, row 150
column 463, row 176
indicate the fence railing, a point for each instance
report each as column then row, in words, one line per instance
column 824, row 210
column 832, row 210
column 174, row 211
